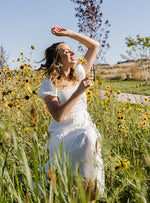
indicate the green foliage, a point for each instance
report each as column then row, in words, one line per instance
column 139, row 41
column 138, row 48
column 139, row 51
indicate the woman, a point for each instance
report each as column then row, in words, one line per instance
column 64, row 94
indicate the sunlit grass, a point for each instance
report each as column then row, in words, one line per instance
column 132, row 86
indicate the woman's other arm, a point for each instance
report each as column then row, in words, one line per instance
column 59, row 111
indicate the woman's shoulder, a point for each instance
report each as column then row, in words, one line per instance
column 47, row 81
column 47, row 88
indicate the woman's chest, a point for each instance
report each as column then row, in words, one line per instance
column 65, row 94
column 67, row 84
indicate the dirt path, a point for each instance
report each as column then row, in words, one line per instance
column 132, row 98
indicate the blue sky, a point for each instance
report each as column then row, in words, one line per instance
column 28, row 22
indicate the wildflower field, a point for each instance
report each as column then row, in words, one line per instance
column 124, row 127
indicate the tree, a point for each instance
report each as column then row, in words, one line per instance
column 3, row 58
column 90, row 22
column 139, row 51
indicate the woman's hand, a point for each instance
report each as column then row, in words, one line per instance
column 84, row 85
column 59, row 31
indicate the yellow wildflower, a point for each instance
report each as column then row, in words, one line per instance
column 137, row 86
column 128, row 107
column 80, row 60
column 26, row 80
column 145, row 118
column 4, row 69
column 25, row 65
column 101, row 83
column 8, row 105
column 143, row 123
column 19, row 59
column 107, row 94
column 39, row 72
column 22, row 67
column 26, row 129
column 44, row 76
column 9, row 79
column 118, row 92
column 123, row 128
column 27, row 97
column 19, row 107
column 29, row 69
column 140, row 110
column 122, row 117
column 95, row 82
column 37, row 77
column 89, row 94
column 7, row 70
column 123, row 164
column 146, row 99
column 107, row 101
column 107, row 87
column 32, row 47
column 25, row 85
column 119, row 111
column 19, row 72
column 111, row 91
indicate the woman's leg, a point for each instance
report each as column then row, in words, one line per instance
column 89, row 187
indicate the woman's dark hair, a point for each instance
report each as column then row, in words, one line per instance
column 51, row 56
column 53, row 67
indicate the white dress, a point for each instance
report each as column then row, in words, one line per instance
column 77, row 133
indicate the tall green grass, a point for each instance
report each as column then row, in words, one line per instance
column 24, row 120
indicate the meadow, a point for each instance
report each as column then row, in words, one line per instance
column 124, row 128
column 129, row 86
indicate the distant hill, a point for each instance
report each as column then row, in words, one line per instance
column 124, row 70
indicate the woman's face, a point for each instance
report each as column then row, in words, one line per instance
column 67, row 56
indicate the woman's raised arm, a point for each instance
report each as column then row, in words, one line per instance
column 91, row 44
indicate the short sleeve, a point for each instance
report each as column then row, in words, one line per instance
column 80, row 72
column 47, row 88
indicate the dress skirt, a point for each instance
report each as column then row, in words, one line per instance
column 81, row 140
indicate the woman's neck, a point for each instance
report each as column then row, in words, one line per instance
column 66, row 73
